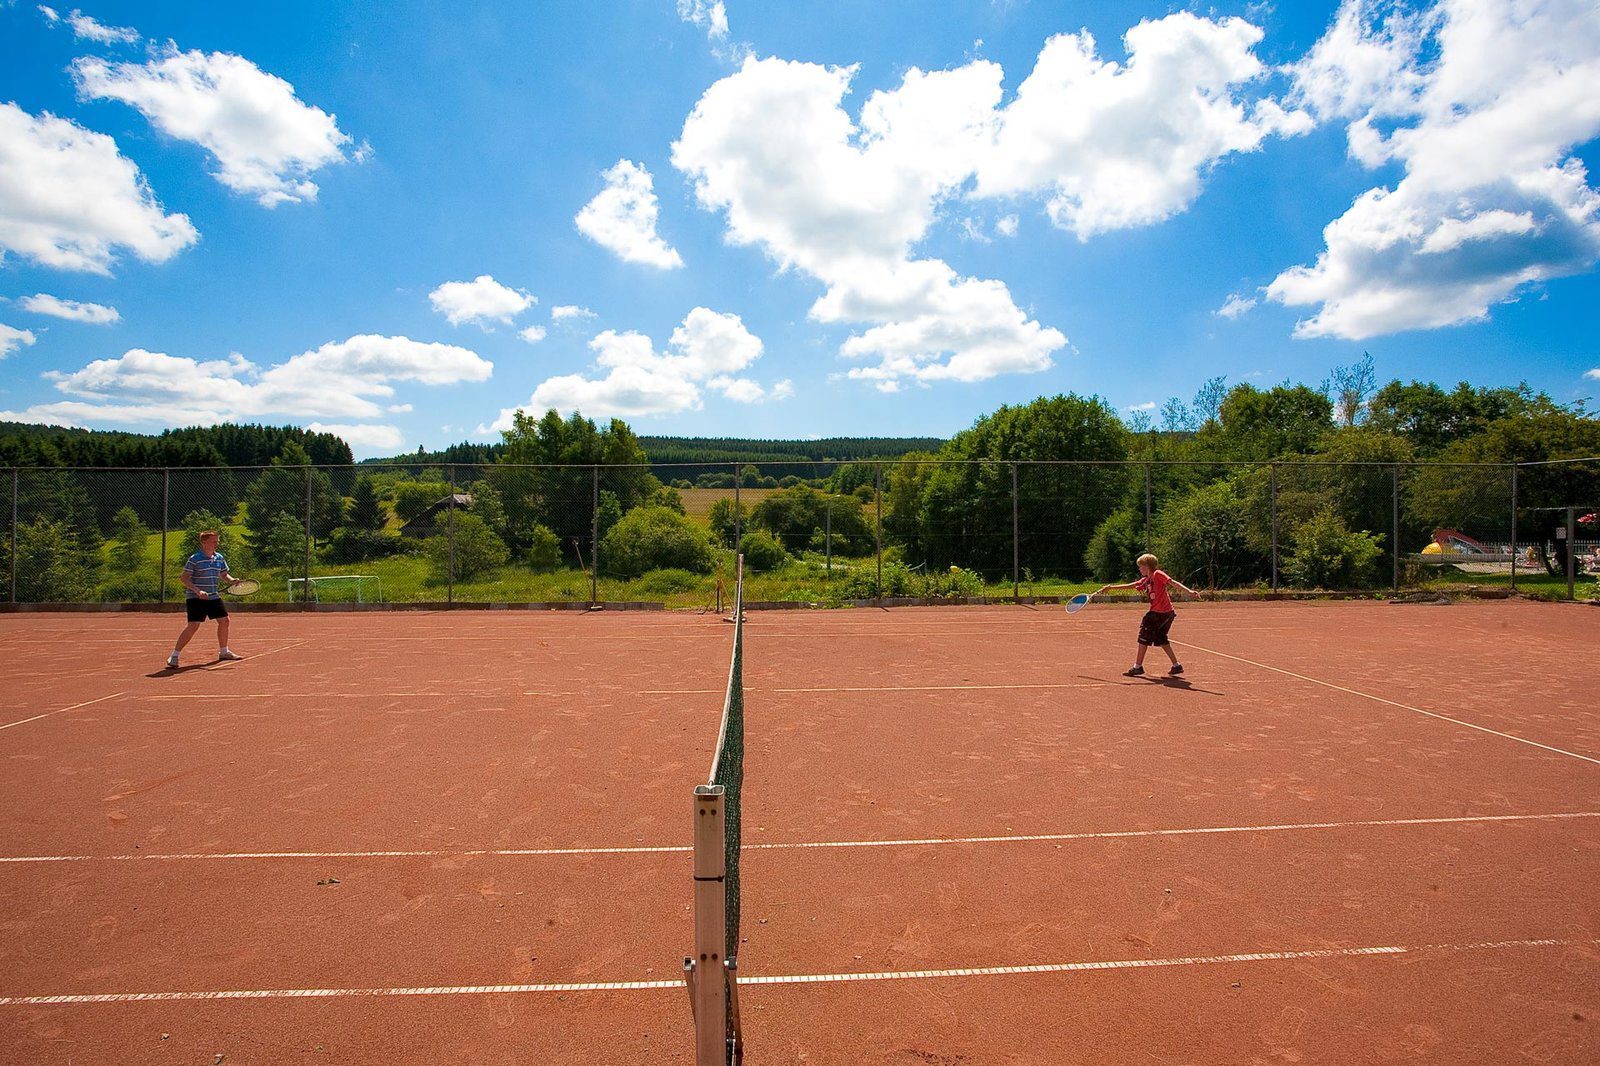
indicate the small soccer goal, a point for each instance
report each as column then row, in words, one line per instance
column 337, row 588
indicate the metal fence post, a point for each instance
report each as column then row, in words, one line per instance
column 827, row 535
column 1016, row 581
column 738, row 508
column 307, row 572
column 594, row 537
column 1572, row 552
column 1513, row 527
column 166, row 497
column 877, row 529
column 16, row 481
column 1394, row 544
column 1147, row 507
column 450, row 535
column 1274, row 468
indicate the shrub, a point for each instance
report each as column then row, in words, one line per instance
column 723, row 522
column 352, row 545
column 131, row 588
column 364, row 512
column 668, row 497
column 761, row 551
column 1202, row 536
column 1325, row 553
column 862, row 583
column 668, row 582
column 49, row 566
column 654, row 538
column 1116, row 543
column 544, row 548
column 411, row 498
column 476, row 549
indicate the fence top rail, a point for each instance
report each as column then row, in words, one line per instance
column 737, row 466
column 1562, row 462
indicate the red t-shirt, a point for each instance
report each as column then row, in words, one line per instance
column 1156, row 586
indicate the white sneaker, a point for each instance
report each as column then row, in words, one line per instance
column 226, row 656
column 172, row 662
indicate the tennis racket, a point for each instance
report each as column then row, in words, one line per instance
column 1078, row 603
column 242, row 587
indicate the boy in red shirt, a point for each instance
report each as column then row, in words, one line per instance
column 1157, row 621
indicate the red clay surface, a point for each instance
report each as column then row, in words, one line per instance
column 1290, row 858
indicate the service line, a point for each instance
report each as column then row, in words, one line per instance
column 794, row 979
column 909, row 842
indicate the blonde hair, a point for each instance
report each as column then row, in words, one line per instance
column 209, row 534
column 1147, row 558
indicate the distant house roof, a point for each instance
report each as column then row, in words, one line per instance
column 427, row 523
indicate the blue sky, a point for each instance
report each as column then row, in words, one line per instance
column 276, row 199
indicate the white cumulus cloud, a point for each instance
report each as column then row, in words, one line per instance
column 362, row 437
column 12, row 339
column 1007, row 226
column 1594, row 374
column 847, row 200
column 622, row 218
column 1235, row 306
column 70, row 200
column 481, row 300
column 340, row 380
column 88, row 29
column 1481, row 103
column 708, row 350
column 570, row 312
column 265, row 140
column 533, row 334
column 72, row 310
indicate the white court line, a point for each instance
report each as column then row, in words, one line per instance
column 1110, row 834
column 63, row 710
column 254, row 656
column 484, row 695
column 794, row 979
column 932, row 688
column 1392, row 703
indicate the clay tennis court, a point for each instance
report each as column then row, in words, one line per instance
column 1357, row 833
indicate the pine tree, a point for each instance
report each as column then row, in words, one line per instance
column 365, row 512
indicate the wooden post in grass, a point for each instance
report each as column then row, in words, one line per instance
column 706, row 967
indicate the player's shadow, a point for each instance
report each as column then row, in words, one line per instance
column 1180, row 683
column 175, row 671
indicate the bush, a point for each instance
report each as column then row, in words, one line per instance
column 668, row 583
column 476, row 549
column 954, row 584
column 544, row 548
column 723, row 523
column 352, row 545
column 411, row 498
column 1325, row 553
column 668, row 497
column 1201, row 536
column 862, row 583
column 1116, row 543
column 761, row 551
column 132, row 588
column 654, row 538
column 50, row 568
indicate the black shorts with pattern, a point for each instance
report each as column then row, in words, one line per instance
column 1154, row 627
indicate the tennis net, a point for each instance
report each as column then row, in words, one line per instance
column 712, row 971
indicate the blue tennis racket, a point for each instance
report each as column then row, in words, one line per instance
column 1078, row 603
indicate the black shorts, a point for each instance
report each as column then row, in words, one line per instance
column 200, row 610
column 1153, row 628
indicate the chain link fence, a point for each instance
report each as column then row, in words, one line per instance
column 812, row 532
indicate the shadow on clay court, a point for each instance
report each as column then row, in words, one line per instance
column 1181, row 684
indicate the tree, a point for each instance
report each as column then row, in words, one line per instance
column 488, row 505
column 792, row 515
column 559, row 491
column 1203, row 535
column 50, row 569
column 1208, row 399
column 654, row 538
column 1433, row 419
column 544, row 548
column 726, row 518
column 281, row 489
column 283, row 545
column 129, row 537
column 365, row 512
column 1348, row 388
column 476, row 549
column 965, row 512
column 411, row 498
column 1176, row 416
column 1116, row 544
column 762, row 551
column 1285, row 419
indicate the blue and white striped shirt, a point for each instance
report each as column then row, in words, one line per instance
column 204, row 573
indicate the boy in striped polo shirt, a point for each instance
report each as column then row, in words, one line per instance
column 203, row 574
